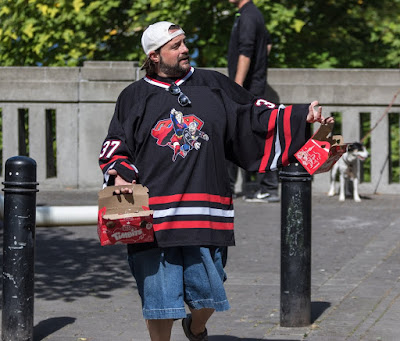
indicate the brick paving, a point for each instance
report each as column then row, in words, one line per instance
column 84, row 292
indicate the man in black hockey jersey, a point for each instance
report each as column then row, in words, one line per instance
column 190, row 196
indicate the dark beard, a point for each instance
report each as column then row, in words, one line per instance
column 173, row 70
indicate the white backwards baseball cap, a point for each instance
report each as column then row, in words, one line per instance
column 157, row 35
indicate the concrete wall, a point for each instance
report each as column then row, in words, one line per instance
column 83, row 99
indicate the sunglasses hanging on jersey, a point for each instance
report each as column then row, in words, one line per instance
column 175, row 90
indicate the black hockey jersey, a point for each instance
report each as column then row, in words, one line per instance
column 179, row 152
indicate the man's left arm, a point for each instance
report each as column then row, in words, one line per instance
column 269, row 135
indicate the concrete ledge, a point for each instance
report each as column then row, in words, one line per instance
column 39, row 74
column 338, row 77
column 101, row 91
column 121, row 71
column 39, row 91
column 346, row 95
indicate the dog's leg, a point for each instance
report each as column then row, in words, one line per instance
column 355, row 190
column 331, row 192
column 342, row 192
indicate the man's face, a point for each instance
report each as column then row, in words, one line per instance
column 174, row 58
column 235, row 2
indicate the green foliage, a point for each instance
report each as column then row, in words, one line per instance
column 23, row 132
column 394, row 138
column 365, row 128
column 1, row 142
column 334, row 33
column 337, row 127
column 54, row 32
column 306, row 33
column 51, row 143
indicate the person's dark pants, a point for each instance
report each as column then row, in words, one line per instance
column 267, row 182
column 232, row 173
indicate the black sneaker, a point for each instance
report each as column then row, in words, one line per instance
column 262, row 197
column 186, row 322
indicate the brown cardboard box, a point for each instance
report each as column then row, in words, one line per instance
column 124, row 218
column 321, row 152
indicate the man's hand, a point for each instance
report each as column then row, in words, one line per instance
column 315, row 115
column 119, row 181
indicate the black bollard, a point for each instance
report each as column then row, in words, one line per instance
column 295, row 246
column 18, row 248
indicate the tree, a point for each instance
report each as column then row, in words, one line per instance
column 334, row 33
column 306, row 33
column 55, row 32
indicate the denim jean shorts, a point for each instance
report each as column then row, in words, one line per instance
column 167, row 278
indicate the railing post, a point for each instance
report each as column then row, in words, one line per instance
column 18, row 248
column 295, row 246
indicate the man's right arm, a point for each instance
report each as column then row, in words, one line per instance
column 269, row 47
column 246, row 46
column 115, row 159
column 242, row 69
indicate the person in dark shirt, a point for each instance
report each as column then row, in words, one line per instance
column 249, row 47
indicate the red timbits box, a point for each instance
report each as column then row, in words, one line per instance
column 321, row 152
column 125, row 218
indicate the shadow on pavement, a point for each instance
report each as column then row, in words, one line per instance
column 317, row 309
column 49, row 326
column 70, row 264
column 234, row 338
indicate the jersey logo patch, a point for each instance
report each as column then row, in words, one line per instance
column 180, row 133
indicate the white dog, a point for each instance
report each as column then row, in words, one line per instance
column 347, row 166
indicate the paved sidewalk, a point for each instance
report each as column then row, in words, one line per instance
column 85, row 292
